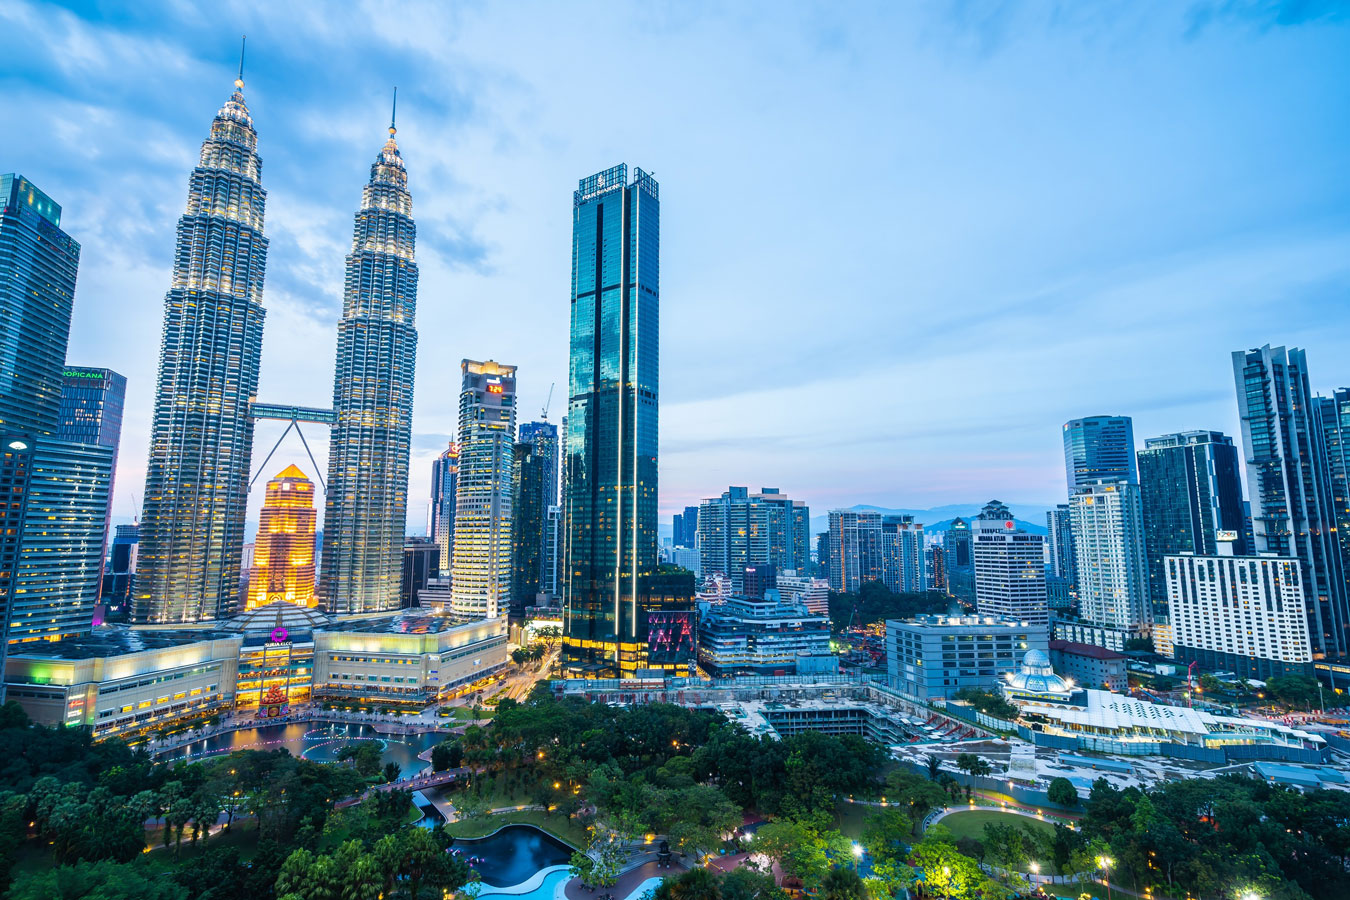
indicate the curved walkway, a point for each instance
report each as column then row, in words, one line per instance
column 627, row 884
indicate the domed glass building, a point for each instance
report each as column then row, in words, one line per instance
column 1036, row 681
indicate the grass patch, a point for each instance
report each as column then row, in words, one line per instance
column 970, row 823
column 850, row 817
column 559, row 826
column 465, row 714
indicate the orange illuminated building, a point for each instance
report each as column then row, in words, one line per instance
column 283, row 556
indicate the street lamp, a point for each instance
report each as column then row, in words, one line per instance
column 1105, row 863
column 1035, row 868
column 857, row 855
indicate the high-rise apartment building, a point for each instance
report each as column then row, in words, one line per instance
column 799, row 587
column 1059, row 540
column 367, row 498
column 201, row 437
column 902, row 547
column 1097, row 448
column 1108, row 528
column 38, row 266
column 529, row 511
column 91, row 413
column 741, row 529
column 1287, row 475
column 1243, row 614
column 481, row 568
column 283, row 553
column 684, row 532
column 441, row 509
column 612, row 591
column 1191, row 493
column 855, row 549
column 1009, row 568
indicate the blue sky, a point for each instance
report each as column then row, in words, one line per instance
column 901, row 242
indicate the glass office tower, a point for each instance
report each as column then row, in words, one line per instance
column 201, row 437
column 366, row 504
column 1292, row 510
column 38, row 266
column 1191, row 491
column 441, row 510
column 543, row 436
column 611, row 443
column 91, row 413
column 529, row 512
column 1099, row 447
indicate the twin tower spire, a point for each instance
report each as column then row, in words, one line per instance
column 197, row 478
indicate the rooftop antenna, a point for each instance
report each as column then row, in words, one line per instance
column 549, row 401
column 393, row 113
column 243, row 42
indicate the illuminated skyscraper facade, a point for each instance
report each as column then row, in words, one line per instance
column 367, row 491
column 196, row 484
column 611, row 443
column 481, row 573
column 283, row 554
column 91, row 413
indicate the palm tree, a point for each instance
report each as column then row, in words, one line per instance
column 934, row 767
column 696, row 884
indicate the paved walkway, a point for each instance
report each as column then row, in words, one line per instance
column 627, row 882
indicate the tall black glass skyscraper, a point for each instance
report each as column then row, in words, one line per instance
column 367, row 499
column 201, row 439
column 1191, row 490
column 38, row 266
column 1287, row 474
column 1099, row 447
column 611, row 442
column 529, row 513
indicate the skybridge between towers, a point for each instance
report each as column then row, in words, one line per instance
column 294, row 415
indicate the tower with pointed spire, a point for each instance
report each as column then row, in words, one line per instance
column 367, row 496
column 196, row 485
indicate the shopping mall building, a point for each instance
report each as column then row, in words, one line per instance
column 137, row 680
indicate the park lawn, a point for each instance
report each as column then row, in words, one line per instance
column 465, row 714
column 850, row 818
column 559, row 826
column 970, row 823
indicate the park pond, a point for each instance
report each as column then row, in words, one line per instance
column 317, row 742
column 512, row 855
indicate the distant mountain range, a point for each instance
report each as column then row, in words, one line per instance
column 1028, row 517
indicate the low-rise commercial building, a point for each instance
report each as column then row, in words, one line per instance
column 772, row 636
column 1089, row 665
column 936, row 656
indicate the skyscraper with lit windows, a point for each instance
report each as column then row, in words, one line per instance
column 441, row 510
column 283, row 554
column 480, row 581
column 201, row 437
column 611, row 445
column 367, row 492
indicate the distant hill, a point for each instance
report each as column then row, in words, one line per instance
column 939, row 518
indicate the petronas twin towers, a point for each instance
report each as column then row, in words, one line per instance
column 197, row 479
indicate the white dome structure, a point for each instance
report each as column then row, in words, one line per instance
column 1036, row 677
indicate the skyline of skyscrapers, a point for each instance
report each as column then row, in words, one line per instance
column 481, row 568
column 201, row 444
column 612, row 424
column 740, row 529
column 367, row 496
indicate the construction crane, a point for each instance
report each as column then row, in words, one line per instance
column 548, row 402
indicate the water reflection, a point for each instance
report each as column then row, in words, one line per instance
column 513, row 854
column 314, row 741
